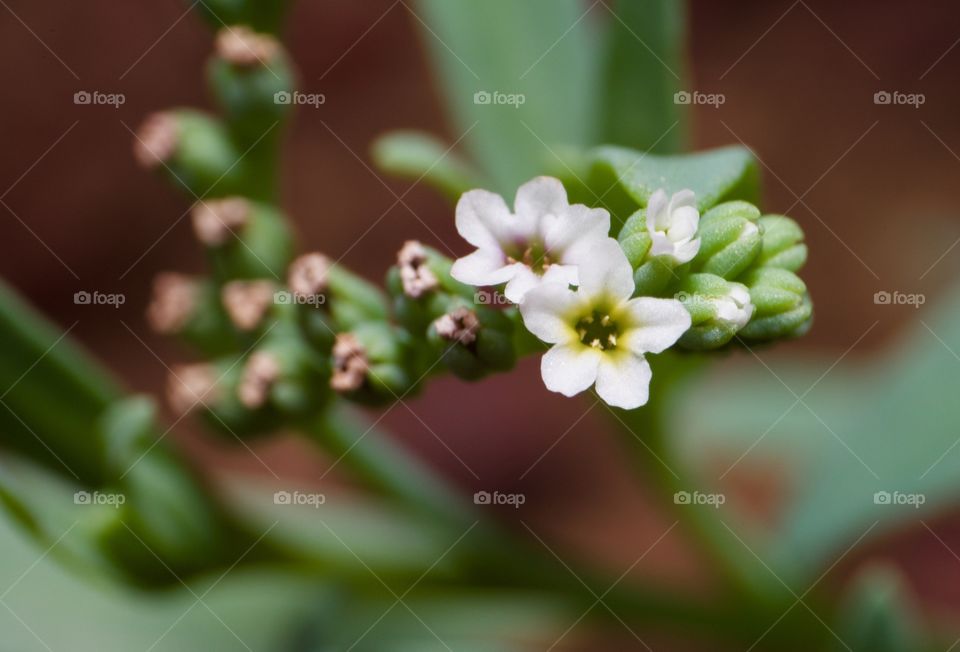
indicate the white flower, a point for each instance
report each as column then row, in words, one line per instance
column 672, row 225
column 600, row 335
column 735, row 308
column 544, row 240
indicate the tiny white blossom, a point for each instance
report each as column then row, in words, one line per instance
column 543, row 240
column 672, row 224
column 736, row 308
column 599, row 334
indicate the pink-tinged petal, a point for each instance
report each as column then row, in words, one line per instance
column 605, row 270
column 579, row 225
column 545, row 310
column 571, row 369
column 656, row 324
column 483, row 219
column 623, row 381
column 539, row 197
column 483, row 267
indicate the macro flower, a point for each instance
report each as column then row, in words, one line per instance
column 544, row 240
column 672, row 224
column 599, row 334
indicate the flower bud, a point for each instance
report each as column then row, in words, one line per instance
column 210, row 390
column 246, row 239
column 190, row 308
column 321, row 284
column 422, row 287
column 247, row 303
column 473, row 340
column 651, row 275
column 730, row 239
column 783, row 245
column 718, row 309
column 194, row 150
column 783, row 307
column 369, row 363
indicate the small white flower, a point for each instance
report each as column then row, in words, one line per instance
column 543, row 240
column 735, row 309
column 672, row 225
column 600, row 335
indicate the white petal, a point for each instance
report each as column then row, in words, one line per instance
column 657, row 324
column 578, row 225
column 683, row 223
column 562, row 275
column 539, row 197
column 524, row 280
column 605, row 270
column 684, row 253
column 682, row 198
column 661, row 245
column 623, row 381
column 483, row 267
column 483, row 219
column 570, row 369
column 657, row 211
column 545, row 309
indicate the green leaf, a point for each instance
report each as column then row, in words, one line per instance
column 641, row 74
column 417, row 155
column 879, row 614
column 887, row 426
column 541, row 52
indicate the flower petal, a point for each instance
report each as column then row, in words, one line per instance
column 684, row 222
column 623, row 381
column 684, row 253
column 545, row 309
column 483, row 219
column 579, row 225
column 483, row 267
column 604, row 270
column 657, row 324
column 657, row 211
column 524, row 280
column 562, row 275
column 570, row 369
column 539, row 197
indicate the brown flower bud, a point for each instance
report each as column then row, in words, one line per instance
column 416, row 277
column 156, row 140
column 241, row 46
column 461, row 326
column 259, row 375
column 190, row 385
column 307, row 276
column 349, row 364
column 215, row 220
column 173, row 304
column 247, row 302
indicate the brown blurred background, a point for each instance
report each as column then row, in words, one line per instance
column 878, row 187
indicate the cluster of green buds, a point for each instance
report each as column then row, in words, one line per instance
column 739, row 282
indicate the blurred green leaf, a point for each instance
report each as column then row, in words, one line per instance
column 540, row 52
column 417, row 155
column 642, row 70
column 879, row 615
column 865, row 437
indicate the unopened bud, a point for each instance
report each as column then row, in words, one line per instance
column 191, row 385
column 173, row 304
column 247, row 302
column 157, row 140
column 241, row 46
column 415, row 275
column 260, row 373
column 718, row 310
column 783, row 245
column 730, row 239
column 307, row 276
column 349, row 364
column 783, row 307
column 215, row 220
column 460, row 325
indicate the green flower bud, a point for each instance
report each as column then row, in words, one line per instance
column 190, row 309
column 422, row 287
column 718, row 309
column 651, row 275
column 194, row 150
column 245, row 239
column 317, row 283
column 730, row 239
column 783, row 245
column 783, row 307
column 370, row 363
column 473, row 340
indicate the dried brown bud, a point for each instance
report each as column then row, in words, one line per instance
column 215, row 220
column 416, row 277
column 156, row 140
column 173, row 304
column 241, row 46
column 247, row 302
column 307, row 276
column 261, row 372
column 190, row 385
column 349, row 364
column 461, row 325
